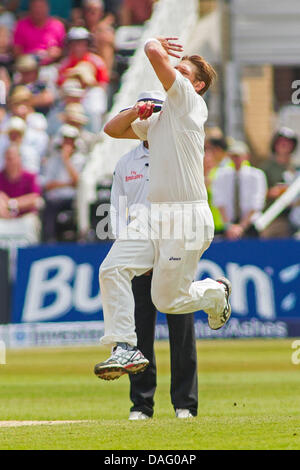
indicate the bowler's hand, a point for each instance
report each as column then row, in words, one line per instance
column 171, row 47
column 144, row 110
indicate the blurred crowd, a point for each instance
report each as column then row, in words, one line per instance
column 239, row 191
column 60, row 65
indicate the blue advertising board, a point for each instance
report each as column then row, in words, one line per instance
column 59, row 283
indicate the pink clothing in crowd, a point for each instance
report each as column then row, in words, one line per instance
column 26, row 184
column 33, row 39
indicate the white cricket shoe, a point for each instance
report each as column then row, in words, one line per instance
column 137, row 415
column 183, row 413
column 217, row 321
column 122, row 361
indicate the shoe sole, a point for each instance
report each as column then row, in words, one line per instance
column 221, row 326
column 227, row 284
column 114, row 372
column 110, row 373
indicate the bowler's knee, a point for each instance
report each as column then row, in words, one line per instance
column 113, row 274
column 161, row 304
column 106, row 272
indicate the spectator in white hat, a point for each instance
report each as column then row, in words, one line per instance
column 71, row 92
column 94, row 100
column 14, row 134
column 78, row 42
column 61, row 176
column 20, row 104
column 280, row 171
column 27, row 67
column 12, row 131
column 75, row 116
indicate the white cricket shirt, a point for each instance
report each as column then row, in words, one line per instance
column 131, row 180
column 252, row 190
column 176, row 141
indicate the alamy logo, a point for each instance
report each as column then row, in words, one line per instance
column 296, row 354
column 296, row 93
column 174, row 259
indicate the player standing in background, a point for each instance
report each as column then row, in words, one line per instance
column 177, row 192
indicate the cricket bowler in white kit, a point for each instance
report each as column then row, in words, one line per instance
column 177, row 193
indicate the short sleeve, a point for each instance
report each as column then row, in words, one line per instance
column 141, row 128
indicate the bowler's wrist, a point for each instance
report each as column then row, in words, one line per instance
column 150, row 41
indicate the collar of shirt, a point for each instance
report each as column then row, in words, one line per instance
column 140, row 152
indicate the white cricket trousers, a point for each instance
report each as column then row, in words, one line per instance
column 173, row 254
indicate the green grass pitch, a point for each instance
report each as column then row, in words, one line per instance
column 249, row 398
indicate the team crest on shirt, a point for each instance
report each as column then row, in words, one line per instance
column 133, row 176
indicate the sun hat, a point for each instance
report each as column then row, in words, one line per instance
column 16, row 123
column 78, row 33
column 75, row 112
column 287, row 133
column 238, row 147
column 26, row 63
column 20, row 93
column 98, row 3
column 85, row 71
column 72, row 87
column 67, row 130
column 157, row 97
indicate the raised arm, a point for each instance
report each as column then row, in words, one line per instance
column 158, row 51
